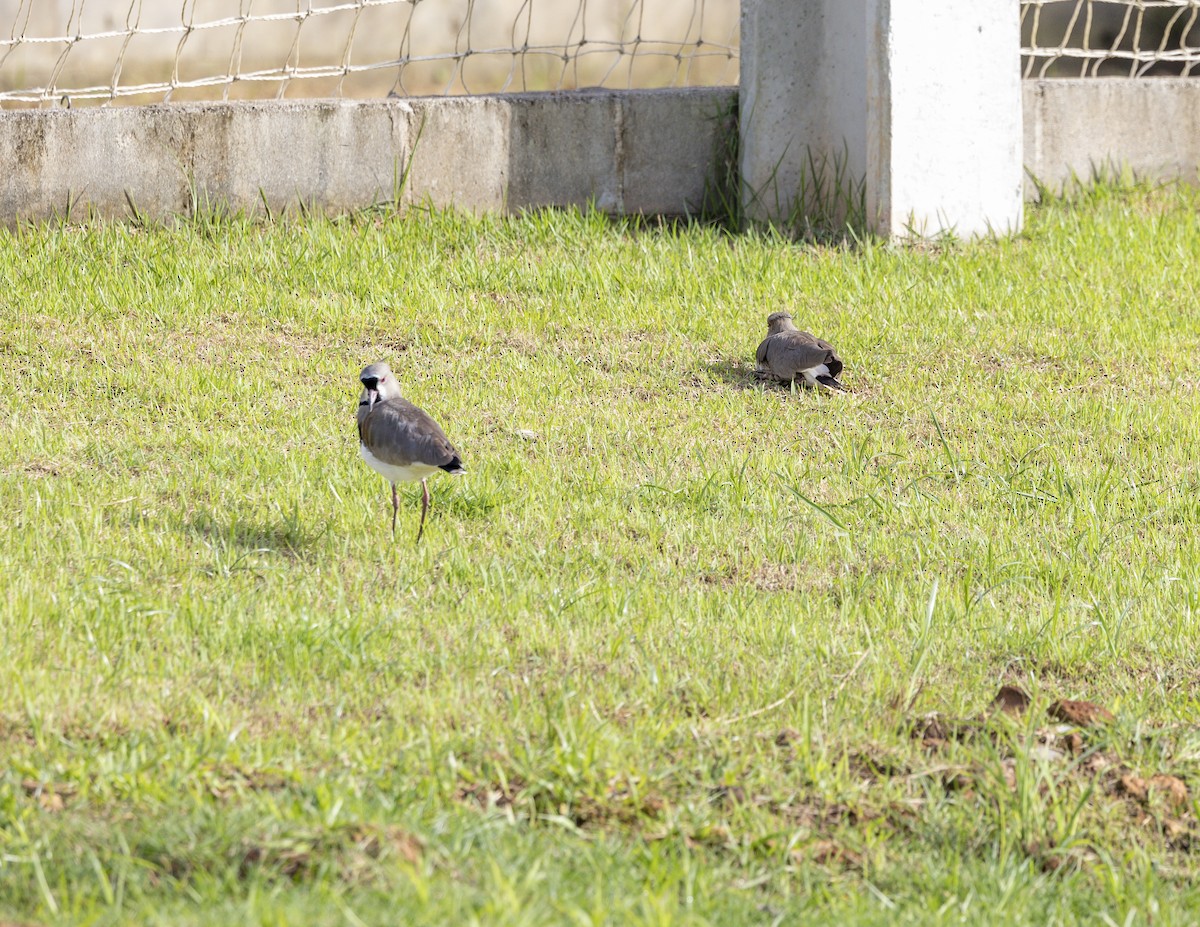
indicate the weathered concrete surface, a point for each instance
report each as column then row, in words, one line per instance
column 458, row 155
column 335, row 157
column 803, row 94
column 576, row 133
column 944, row 117
column 1077, row 127
column 53, row 161
column 636, row 151
column 630, row 151
column 671, row 148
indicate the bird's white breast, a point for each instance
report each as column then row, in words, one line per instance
column 393, row 473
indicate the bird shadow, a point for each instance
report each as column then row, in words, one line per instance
column 286, row 536
column 460, row 499
column 741, row 375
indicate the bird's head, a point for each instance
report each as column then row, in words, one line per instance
column 780, row 322
column 379, row 385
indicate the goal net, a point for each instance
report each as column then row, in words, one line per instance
column 69, row 52
column 1117, row 38
column 140, row 51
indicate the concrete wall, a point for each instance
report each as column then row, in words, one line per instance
column 631, row 152
column 634, row 151
column 1148, row 125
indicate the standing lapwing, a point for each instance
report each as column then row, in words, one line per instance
column 400, row 441
column 787, row 353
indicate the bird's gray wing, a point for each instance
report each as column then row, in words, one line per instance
column 399, row 433
column 828, row 356
column 832, row 361
column 820, row 342
column 788, row 354
column 810, row 338
column 760, row 356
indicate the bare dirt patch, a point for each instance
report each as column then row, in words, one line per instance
column 1011, row 699
column 1083, row 714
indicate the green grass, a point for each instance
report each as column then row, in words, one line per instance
column 659, row 665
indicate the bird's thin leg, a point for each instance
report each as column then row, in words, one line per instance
column 424, row 508
column 395, row 506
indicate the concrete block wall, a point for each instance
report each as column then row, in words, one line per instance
column 650, row 152
column 1073, row 128
column 647, row 152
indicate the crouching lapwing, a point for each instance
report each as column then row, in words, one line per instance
column 400, row 441
column 787, row 353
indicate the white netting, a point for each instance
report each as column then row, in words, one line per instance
column 1097, row 38
column 71, row 51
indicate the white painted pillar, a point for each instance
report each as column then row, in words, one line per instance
column 909, row 109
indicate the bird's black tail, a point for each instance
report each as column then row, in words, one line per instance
column 832, row 383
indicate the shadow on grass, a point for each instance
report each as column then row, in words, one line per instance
column 742, row 375
column 447, row 497
column 286, row 536
column 463, row 499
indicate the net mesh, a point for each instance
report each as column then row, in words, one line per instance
column 139, row 51
column 1118, row 38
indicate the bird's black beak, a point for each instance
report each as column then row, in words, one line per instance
column 371, row 385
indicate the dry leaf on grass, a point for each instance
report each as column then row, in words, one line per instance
column 1172, row 789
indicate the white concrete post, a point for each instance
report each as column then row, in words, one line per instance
column 905, row 113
